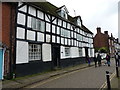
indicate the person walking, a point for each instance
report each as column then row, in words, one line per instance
column 117, row 57
column 95, row 60
column 108, row 59
column 99, row 60
column 88, row 60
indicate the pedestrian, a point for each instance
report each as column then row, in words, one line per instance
column 88, row 60
column 99, row 59
column 117, row 57
column 108, row 59
column 95, row 60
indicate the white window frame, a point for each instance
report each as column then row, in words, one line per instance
column 34, row 52
column 80, row 52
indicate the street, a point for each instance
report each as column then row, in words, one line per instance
column 90, row 77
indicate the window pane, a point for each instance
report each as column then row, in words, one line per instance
column 34, row 52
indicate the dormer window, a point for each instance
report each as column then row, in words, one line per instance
column 79, row 22
column 63, row 12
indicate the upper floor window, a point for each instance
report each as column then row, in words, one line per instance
column 79, row 22
column 37, row 24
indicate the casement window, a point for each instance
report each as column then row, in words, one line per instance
column 65, row 33
column 80, row 52
column 79, row 22
column 67, row 51
column 79, row 37
column 34, row 52
column 37, row 25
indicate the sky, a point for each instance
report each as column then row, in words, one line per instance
column 94, row 13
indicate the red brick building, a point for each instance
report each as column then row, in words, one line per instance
column 101, row 39
column 8, row 33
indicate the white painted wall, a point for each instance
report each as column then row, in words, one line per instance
column 74, row 52
column 58, row 39
column 24, row 8
column 30, row 35
column 22, row 52
column 62, row 52
column 47, row 27
column 53, row 39
column 46, row 52
column 40, row 37
column 20, row 33
column 21, row 19
column 83, row 51
column 40, row 15
column 47, row 38
column 46, row 18
column 29, row 22
column 89, row 52
column 32, row 11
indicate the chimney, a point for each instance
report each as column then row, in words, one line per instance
column 106, row 32
column 98, row 30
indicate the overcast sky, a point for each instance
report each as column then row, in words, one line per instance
column 94, row 13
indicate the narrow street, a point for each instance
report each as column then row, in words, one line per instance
column 90, row 77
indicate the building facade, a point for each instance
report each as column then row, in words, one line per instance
column 7, row 31
column 101, row 40
column 47, row 37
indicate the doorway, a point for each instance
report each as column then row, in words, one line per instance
column 86, row 51
column 56, row 55
column 1, row 64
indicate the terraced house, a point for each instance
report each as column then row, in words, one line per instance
column 48, row 37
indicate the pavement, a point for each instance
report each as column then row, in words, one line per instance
column 22, row 82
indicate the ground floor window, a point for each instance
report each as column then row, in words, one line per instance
column 91, row 52
column 34, row 52
column 67, row 51
column 80, row 52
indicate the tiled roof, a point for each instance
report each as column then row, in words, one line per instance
column 52, row 9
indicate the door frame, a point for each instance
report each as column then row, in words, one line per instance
column 58, row 56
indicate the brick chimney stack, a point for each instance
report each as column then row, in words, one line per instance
column 106, row 32
column 98, row 30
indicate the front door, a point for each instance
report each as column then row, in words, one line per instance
column 56, row 55
column 1, row 63
column 86, row 51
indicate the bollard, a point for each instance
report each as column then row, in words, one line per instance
column 117, row 72
column 108, row 80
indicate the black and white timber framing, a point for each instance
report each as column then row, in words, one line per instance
column 45, row 40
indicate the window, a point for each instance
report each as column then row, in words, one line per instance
column 65, row 33
column 91, row 52
column 79, row 37
column 67, row 51
column 37, row 24
column 80, row 52
column 34, row 52
column 79, row 22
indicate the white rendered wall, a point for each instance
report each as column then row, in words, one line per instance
column 24, row 8
column 62, row 52
column 30, row 35
column 40, row 37
column 22, row 52
column 20, row 33
column 21, row 19
column 74, row 52
column 32, row 11
column 46, row 52
column 40, row 14
column 89, row 52
column 83, row 52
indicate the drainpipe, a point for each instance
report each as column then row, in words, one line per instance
column 12, row 41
